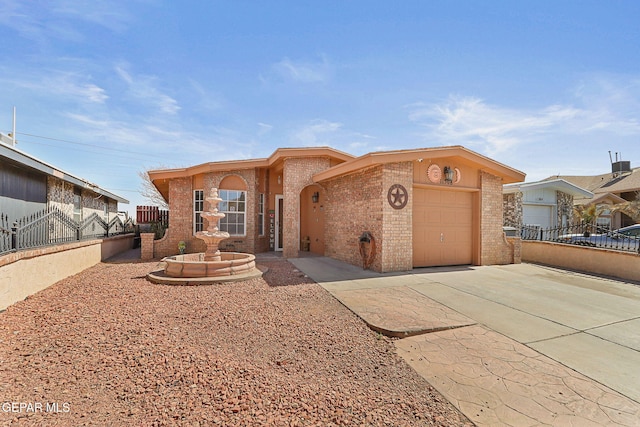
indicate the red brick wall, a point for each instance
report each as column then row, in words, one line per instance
column 181, row 221
column 181, row 208
column 354, row 205
column 245, row 243
column 296, row 176
column 397, row 230
column 495, row 249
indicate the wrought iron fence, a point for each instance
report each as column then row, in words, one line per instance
column 51, row 226
column 5, row 234
column 585, row 234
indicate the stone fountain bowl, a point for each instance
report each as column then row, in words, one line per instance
column 194, row 265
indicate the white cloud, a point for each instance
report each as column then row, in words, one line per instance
column 64, row 86
column 56, row 19
column 316, row 133
column 471, row 121
column 304, row 71
column 600, row 115
column 143, row 88
column 264, row 128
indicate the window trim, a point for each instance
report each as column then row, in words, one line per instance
column 243, row 212
column 196, row 212
column 261, row 215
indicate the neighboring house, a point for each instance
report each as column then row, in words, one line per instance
column 28, row 186
column 545, row 204
column 421, row 207
column 620, row 185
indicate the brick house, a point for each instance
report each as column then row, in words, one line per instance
column 420, row 207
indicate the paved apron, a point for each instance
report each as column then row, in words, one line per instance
column 508, row 345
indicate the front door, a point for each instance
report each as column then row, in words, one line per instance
column 279, row 220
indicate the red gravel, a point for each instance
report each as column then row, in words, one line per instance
column 110, row 348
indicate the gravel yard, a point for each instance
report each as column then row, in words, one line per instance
column 107, row 347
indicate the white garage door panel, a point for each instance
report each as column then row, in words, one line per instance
column 538, row 215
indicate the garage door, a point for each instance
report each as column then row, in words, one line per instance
column 442, row 227
column 537, row 215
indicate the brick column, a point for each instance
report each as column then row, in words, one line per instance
column 146, row 243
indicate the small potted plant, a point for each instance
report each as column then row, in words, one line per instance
column 182, row 246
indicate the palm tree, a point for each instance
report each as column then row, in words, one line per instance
column 588, row 215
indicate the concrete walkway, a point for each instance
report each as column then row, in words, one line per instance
column 508, row 345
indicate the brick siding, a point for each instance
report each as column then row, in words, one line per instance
column 495, row 248
column 397, row 228
column 354, row 206
column 297, row 174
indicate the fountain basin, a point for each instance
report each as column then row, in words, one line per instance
column 194, row 265
column 191, row 269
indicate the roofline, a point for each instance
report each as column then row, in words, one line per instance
column 376, row 158
column 600, row 196
column 32, row 162
column 224, row 165
column 565, row 186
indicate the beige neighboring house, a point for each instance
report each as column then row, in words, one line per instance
column 622, row 184
column 420, row 207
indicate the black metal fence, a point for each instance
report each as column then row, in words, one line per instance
column 53, row 227
column 584, row 234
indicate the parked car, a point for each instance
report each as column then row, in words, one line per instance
column 626, row 238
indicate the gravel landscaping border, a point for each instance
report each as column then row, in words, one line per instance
column 107, row 347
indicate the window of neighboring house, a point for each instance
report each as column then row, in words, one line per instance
column 77, row 205
column 198, row 206
column 261, row 214
column 106, row 210
column 233, row 205
column 604, row 220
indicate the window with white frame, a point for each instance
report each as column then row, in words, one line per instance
column 261, row 214
column 198, row 206
column 233, row 205
column 77, row 205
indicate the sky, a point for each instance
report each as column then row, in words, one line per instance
column 107, row 89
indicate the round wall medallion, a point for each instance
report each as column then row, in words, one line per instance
column 458, row 176
column 434, row 173
column 397, row 196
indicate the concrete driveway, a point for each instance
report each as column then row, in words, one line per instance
column 508, row 345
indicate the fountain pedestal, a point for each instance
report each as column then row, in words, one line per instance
column 212, row 235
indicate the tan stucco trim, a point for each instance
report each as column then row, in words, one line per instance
column 160, row 177
column 278, row 156
column 508, row 174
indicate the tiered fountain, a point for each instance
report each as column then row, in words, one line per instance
column 211, row 266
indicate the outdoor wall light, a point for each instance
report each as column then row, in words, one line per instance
column 279, row 179
column 315, row 197
column 448, row 175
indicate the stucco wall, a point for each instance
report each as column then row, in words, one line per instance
column 591, row 260
column 27, row 272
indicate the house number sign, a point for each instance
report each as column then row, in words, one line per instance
column 397, row 196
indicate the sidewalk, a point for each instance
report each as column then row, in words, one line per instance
column 478, row 335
